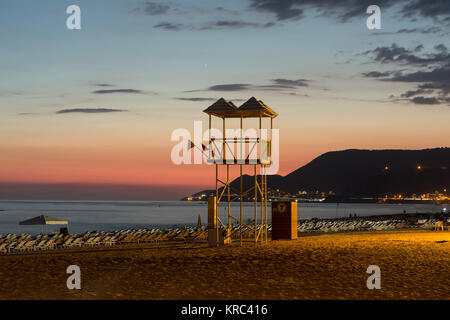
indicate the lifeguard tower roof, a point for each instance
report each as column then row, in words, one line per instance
column 252, row 108
column 221, row 108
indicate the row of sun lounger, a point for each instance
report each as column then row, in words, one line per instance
column 13, row 243
column 359, row 224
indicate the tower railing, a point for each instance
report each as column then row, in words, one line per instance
column 240, row 151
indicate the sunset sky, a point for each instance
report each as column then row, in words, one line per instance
column 98, row 105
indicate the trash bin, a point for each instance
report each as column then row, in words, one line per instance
column 284, row 220
column 64, row 231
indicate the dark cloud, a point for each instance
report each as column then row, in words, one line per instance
column 206, row 99
column 291, row 83
column 425, row 100
column 418, row 48
column 216, row 25
column 412, row 93
column 427, row 8
column 235, row 24
column 342, row 10
column 170, row 26
column 402, row 56
column 345, row 10
column 196, row 99
column 281, row 84
column 226, row 10
column 11, row 93
column 376, row 74
column 296, row 94
column 429, row 30
column 442, row 85
column 230, row 87
column 439, row 75
column 152, row 8
column 104, row 85
column 436, row 82
column 432, row 79
column 441, row 48
column 89, row 110
column 276, row 84
column 283, row 10
column 117, row 91
column 432, row 82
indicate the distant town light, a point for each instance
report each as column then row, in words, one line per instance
column 386, row 168
column 419, row 167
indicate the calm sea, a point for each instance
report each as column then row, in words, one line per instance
column 114, row 215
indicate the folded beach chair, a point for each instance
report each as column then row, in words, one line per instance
column 20, row 245
column 87, row 242
column 67, row 242
column 11, row 245
column 29, row 245
column 3, row 247
column 78, row 242
column 40, row 244
column 96, row 241
column 439, row 225
column 106, row 241
column 157, row 237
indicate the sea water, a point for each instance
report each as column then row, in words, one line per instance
column 116, row 215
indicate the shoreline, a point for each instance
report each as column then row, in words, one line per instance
column 344, row 201
column 28, row 244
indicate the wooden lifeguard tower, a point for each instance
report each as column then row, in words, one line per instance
column 242, row 149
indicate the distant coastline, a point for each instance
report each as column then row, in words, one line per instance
column 343, row 200
column 359, row 176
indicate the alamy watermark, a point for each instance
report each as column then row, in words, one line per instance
column 74, row 280
column 249, row 146
column 374, row 20
column 73, row 22
column 374, row 281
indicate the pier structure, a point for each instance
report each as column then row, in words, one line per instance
column 250, row 149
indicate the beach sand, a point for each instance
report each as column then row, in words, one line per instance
column 414, row 265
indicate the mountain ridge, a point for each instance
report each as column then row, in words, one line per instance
column 366, row 172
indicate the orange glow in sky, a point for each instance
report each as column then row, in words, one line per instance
column 135, row 149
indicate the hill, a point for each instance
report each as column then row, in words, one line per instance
column 367, row 173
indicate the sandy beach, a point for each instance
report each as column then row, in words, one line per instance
column 414, row 265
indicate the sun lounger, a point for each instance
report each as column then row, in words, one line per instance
column 67, row 243
column 40, row 245
column 439, row 225
column 11, row 246
column 78, row 242
column 19, row 245
column 29, row 245
column 3, row 247
column 95, row 241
